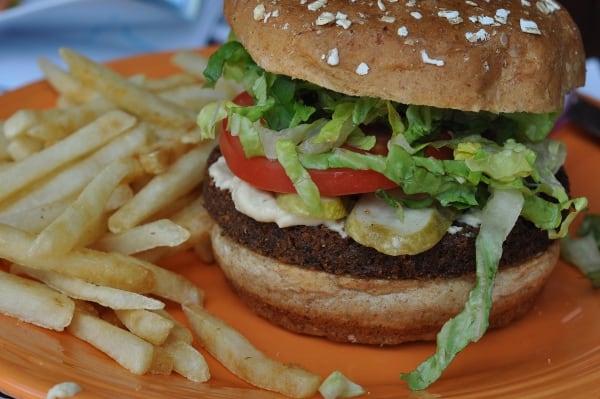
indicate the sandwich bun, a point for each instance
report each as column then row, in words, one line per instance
column 414, row 52
column 370, row 311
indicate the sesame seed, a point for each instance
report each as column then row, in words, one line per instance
column 416, row 15
column 547, row 6
column 452, row 16
column 344, row 23
column 259, row 12
column 315, row 5
column 479, row 36
column 403, row 31
column 528, row 26
column 428, row 60
column 325, row 18
column 362, row 69
column 333, row 57
column 502, row 15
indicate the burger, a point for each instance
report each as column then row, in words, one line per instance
column 385, row 174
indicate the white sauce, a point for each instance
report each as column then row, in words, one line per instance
column 472, row 218
column 261, row 205
column 63, row 390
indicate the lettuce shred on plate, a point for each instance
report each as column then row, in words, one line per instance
column 503, row 165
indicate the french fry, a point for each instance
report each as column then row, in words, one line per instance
column 115, row 169
column 127, row 349
column 84, row 141
column 126, row 94
column 168, row 83
column 181, row 178
column 187, row 361
column 193, row 96
column 65, row 231
column 70, row 180
column 148, row 325
column 64, row 84
column 191, row 62
column 23, row 146
column 110, row 269
column 162, row 362
column 244, row 360
column 119, row 197
column 79, row 289
column 179, row 332
column 195, row 219
column 69, row 120
column 159, row 157
column 36, row 219
column 159, row 233
column 23, row 119
column 35, row 303
column 173, row 286
column 4, row 154
column 95, row 229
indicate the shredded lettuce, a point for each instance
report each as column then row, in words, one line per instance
column 497, row 220
column 590, row 226
column 337, row 385
column 287, row 155
column 583, row 251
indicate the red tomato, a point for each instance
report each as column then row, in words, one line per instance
column 269, row 175
column 442, row 153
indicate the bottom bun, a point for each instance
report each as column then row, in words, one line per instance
column 369, row 311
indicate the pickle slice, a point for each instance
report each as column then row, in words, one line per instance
column 374, row 223
column 333, row 207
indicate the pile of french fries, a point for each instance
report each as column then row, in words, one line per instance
column 93, row 192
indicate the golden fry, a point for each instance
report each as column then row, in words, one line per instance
column 187, row 361
column 127, row 349
column 23, row 146
column 67, row 229
column 173, row 286
column 110, row 269
column 34, row 302
column 82, row 142
column 126, row 94
column 65, row 84
column 159, row 233
column 70, row 180
column 69, row 120
column 148, row 325
column 240, row 357
column 79, row 289
column 182, row 177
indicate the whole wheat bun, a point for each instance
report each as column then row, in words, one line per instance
column 369, row 311
column 389, row 49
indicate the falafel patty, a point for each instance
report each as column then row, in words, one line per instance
column 319, row 248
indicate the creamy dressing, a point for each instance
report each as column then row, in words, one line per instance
column 472, row 217
column 261, row 205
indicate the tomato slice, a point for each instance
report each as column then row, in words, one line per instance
column 269, row 175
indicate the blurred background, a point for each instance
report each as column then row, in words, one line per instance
column 109, row 29
column 102, row 30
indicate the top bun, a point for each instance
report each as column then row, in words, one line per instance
column 499, row 56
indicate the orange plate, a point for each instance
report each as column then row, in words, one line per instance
column 552, row 352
